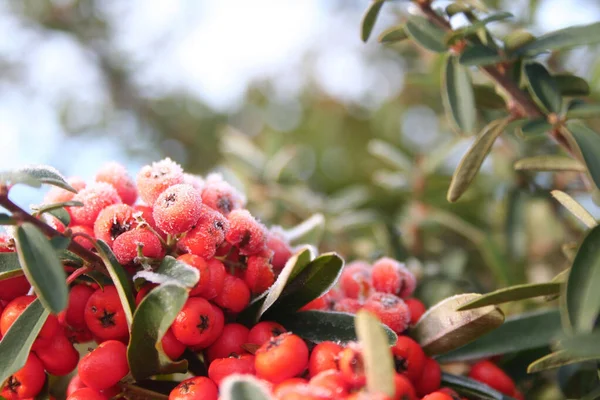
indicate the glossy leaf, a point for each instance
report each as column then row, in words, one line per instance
column 535, row 128
column 564, row 38
column 542, row 87
column 119, row 278
column 62, row 215
column 583, row 110
column 379, row 364
column 16, row 343
column 457, row 93
column 243, row 387
column 426, row 34
column 309, row 231
column 442, row 328
column 513, row 293
column 555, row 360
column 471, row 162
column 583, row 345
column 588, row 142
column 518, row 333
column 35, row 175
column 470, row 387
column 575, row 208
column 320, row 326
column 517, row 39
column 393, row 35
column 476, row 26
column 153, row 317
column 6, row 219
column 9, row 265
column 486, row 97
column 583, row 296
column 370, row 18
column 549, row 163
column 171, row 271
column 571, row 85
column 480, row 55
column 42, row 267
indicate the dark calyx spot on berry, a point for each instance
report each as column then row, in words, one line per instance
column 224, row 204
column 274, row 342
column 219, row 225
column 276, row 331
column 170, row 199
column 107, row 319
column 117, row 228
column 204, row 323
column 405, row 397
column 401, row 364
column 13, row 384
column 389, row 301
column 245, row 239
column 184, row 387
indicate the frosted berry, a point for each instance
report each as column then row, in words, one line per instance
column 281, row 249
column 82, row 240
column 355, row 280
column 95, row 197
column 221, row 196
column 126, row 245
column 391, row 310
column 113, row 221
column 147, row 216
column 235, row 295
column 196, row 181
column 177, row 209
column 207, row 235
column 245, row 232
column 153, row 179
column 390, row 276
column 58, row 195
column 348, row 305
column 258, row 274
column 116, row 175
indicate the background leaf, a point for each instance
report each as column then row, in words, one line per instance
column 549, row 163
column 470, row 387
column 426, row 33
column 513, row 293
column 370, row 18
column 583, row 110
column 34, row 175
column 575, row 208
column 571, row 85
column 535, row 128
column 564, row 38
column 480, row 55
column 555, row 360
column 9, row 265
column 457, row 93
column 542, row 87
column 393, row 35
column 588, row 143
column 309, row 231
column 243, row 387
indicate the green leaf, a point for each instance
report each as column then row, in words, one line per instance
column 17, row 342
column 543, row 87
column 457, row 8
column 575, row 208
column 564, row 38
column 517, row 39
column 583, row 296
column 471, row 162
column 379, row 364
column 460, row 33
column 393, row 35
column 243, row 387
column 442, row 328
column 571, row 85
column 62, row 215
column 152, row 318
column 389, row 154
column 518, row 333
column 457, row 93
column 583, row 110
column 312, row 282
column 426, row 33
column 513, row 293
column 586, row 345
column 588, row 142
column 549, row 163
column 555, row 360
column 309, row 231
column 535, row 128
column 6, row 219
column 320, row 326
column 35, row 175
column 370, row 18
column 171, row 271
column 119, row 278
column 49, row 207
column 9, row 265
column 42, row 267
column 472, row 388
column 486, row 97
column 480, row 55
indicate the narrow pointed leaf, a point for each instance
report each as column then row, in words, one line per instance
column 588, row 142
column 243, row 387
column 309, row 231
column 454, row 35
column 320, row 326
column 9, row 265
column 564, row 38
column 549, row 163
column 471, row 162
column 583, row 296
column 42, row 267
column 518, row 333
column 35, row 175
column 426, row 34
column 583, row 110
column 571, row 85
column 458, row 96
column 513, row 293
column 171, row 271
column 535, row 128
column 6, row 219
column 555, row 360
column 16, row 343
column 49, row 207
column 152, row 318
column 379, row 364
column 442, row 328
column 480, row 55
column 543, row 87
column 370, row 18
column 393, row 35
column 575, row 208
column 470, row 387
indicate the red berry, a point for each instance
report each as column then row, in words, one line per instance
column 282, row 387
column 95, row 197
column 195, row 322
column 87, row 393
column 74, row 384
column 263, row 331
column 390, row 276
column 75, row 312
column 430, row 379
column 12, row 288
column 438, row 396
column 219, row 323
column 323, row 357
column 177, row 209
column 198, row 387
column 196, row 181
column 154, row 179
column 245, row 232
column 104, row 366
column 409, row 358
column 391, row 310
column 258, row 274
column 348, row 305
column 144, row 290
column 404, row 388
column 221, row 196
column 59, row 357
column 82, row 240
column 303, row 391
column 15, row 308
column 282, row 357
column 332, row 380
column 320, row 303
column 26, row 382
column 201, row 265
column 281, row 249
column 221, row 368
column 58, row 195
column 229, row 343
column 355, row 280
column 207, row 235
column 172, row 347
column 104, row 315
column 113, row 221
column 489, row 373
column 126, row 245
column 235, row 295
column 449, row 392
column 417, row 309
column 116, row 175
column 217, row 279
column 352, row 366
column 147, row 216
